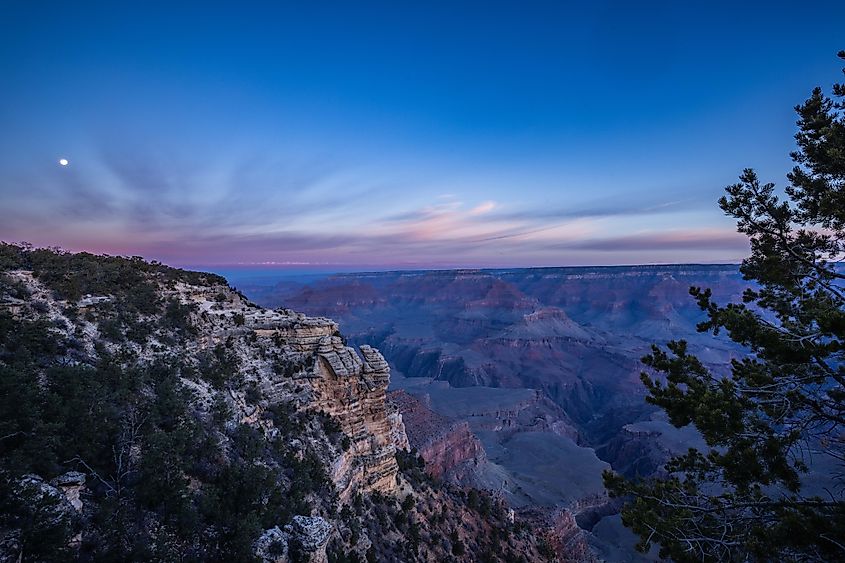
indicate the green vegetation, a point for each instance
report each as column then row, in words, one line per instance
column 133, row 431
column 219, row 367
column 412, row 465
column 72, row 276
column 781, row 411
column 160, row 484
column 148, row 410
column 128, row 288
column 288, row 367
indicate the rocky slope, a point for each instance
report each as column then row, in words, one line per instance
column 156, row 414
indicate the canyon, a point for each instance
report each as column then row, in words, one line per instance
column 526, row 381
column 158, row 414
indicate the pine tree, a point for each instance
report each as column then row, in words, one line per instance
column 781, row 410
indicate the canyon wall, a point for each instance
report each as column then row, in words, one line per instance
column 338, row 382
column 275, row 433
column 448, row 446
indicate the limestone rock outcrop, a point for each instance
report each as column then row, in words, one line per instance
column 307, row 536
column 71, row 485
column 283, row 417
column 312, row 533
column 338, row 382
column 398, row 432
column 290, row 357
column 352, row 391
column 272, row 546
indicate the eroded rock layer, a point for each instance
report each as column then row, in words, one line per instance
column 345, row 386
column 448, row 446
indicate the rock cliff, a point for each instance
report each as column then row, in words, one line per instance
column 353, row 391
column 337, row 380
column 293, row 355
column 163, row 416
column 449, row 448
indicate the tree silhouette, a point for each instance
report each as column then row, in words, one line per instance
column 781, row 411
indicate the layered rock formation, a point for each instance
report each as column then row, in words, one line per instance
column 353, row 391
column 448, row 446
column 291, row 359
column 567, row 537
column 222, row 429
column 562, row 345
column 339, row 382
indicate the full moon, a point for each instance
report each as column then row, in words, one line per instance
column 63, row 161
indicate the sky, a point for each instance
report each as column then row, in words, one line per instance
column 363, row 135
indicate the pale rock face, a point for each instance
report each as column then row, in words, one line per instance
column 325, row 375
column 89, row 300
column 313, row 532
column 336, row 379
column 333, row 378
column 32, row 488
column 353, row 391
column 398, row 435
column 71, row 485
column 342, row 360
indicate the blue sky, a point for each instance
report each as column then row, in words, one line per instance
column 399, row 134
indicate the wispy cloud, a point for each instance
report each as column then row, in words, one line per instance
column 600, row 209
column 676, row 239
column 259, row 210
column 482, row 208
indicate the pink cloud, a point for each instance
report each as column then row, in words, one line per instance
column 482, row 208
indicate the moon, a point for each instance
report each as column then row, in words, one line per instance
column 63, row 161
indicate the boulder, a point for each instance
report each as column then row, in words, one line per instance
column 71, row 485
column 303, row 539
column 272, row 546
column 311, row 534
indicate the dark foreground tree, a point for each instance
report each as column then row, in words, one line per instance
column 775, row 426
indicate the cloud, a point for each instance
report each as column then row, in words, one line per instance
column 691, row 239
column 517, row 233
column 268, row 209
column 482, row 208
column 600, row 209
